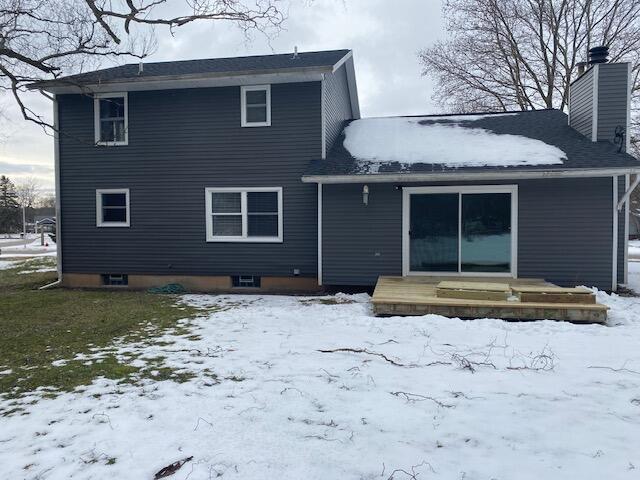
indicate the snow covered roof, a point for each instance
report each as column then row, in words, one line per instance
column 538, row 139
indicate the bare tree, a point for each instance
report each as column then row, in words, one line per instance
column 523, row 54
column 28, row 192
column 47, row 201
column 47, row 39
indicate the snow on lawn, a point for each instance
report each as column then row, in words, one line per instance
column 4, row 264
column 39, row 263
column 452, row 400
column 13, row 238
column 634, row 248
column 38, row 270
column 410, row 140
column 634, row 276
column 33, row 248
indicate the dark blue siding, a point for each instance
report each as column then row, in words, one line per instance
column 581, row 104
column 360, row 242
column 565, row 231
column 613, row 94
column 181, row 141
column 337, row 105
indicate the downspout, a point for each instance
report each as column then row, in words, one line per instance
column 56, row 160
column 320, row 234
column 323, row 154
column 614, row 265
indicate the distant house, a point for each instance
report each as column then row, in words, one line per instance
column 44, row 223
column 259, row 172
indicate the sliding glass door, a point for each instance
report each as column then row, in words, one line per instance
column 434, row 233
column 463, row 230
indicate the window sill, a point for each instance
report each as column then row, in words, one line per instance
column 112, row 144
column 113, row 224
column 256, row 124
column 244, row 240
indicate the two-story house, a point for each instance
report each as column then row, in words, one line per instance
column 258, row 173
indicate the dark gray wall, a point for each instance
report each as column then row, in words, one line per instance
column 360, row 242
column 565, row 230
column 581, row 104
column 181, row 141
column 612, row 101
column 337, row 104
column 613, row 90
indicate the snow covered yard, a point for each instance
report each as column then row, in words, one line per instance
column 421, row 397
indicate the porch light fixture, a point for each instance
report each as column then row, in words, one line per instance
column 365, row 194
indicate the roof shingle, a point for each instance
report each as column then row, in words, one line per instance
column 548, row 126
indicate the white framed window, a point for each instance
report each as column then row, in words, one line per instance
column 112, row 207
column 111, row 118
column 255, row 103
column 252, row 214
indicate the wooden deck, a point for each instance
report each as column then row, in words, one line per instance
column 418, row 296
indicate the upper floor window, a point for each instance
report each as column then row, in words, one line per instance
column 111, row 122
column 112, row 207
column 244, row 214
column 256, row 105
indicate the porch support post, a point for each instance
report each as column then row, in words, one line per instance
column 626, row 230
column 614, row 263
column 319, row 234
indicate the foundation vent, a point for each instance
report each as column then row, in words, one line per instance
column 245, row 281
column 115, row 279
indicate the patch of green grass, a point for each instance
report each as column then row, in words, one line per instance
column 38, row 327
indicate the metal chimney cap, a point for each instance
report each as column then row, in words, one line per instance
column 598, row 54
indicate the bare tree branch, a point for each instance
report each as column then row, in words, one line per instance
column 523, row 54
column 47, row 39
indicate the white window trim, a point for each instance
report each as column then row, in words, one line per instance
column 243, row 105
column 407, row 191
column 243, row 209
column 96, row 117
column 99, row 222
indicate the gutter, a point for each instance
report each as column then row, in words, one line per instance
column 465, row 176
column 55, row 84
column 63, row 85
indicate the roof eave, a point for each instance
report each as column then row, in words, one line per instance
column 466, row 176
column 62, row 86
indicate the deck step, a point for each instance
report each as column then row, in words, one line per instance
column 473, row 290
column 537, row 294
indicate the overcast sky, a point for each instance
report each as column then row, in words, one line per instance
column 384, row 36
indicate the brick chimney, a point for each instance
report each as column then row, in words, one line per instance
column 599, row 100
